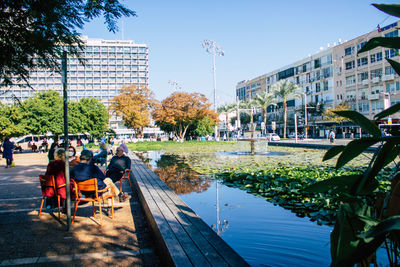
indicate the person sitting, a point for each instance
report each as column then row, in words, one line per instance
column 101, row 157
column 118, row 164
column 86, row 170
column 53, row 147
column 34, row 147
column 57, row 169
column 124, row 147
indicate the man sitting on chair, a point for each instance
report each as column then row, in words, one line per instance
column 86, row 170
column 118, row 164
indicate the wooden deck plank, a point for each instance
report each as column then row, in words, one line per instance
column 198, row 239
column 230, row 256
column 191, row 250
column 174, row 220
column 169, row 246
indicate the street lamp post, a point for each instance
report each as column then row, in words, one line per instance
column 214, row 49
column 305, row 115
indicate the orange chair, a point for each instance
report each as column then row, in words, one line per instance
column 125, row 176
column 47, row 181
column 91, row 186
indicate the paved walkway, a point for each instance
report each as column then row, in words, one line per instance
column 26, row 238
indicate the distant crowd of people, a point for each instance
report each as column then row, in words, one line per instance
column 82, row 167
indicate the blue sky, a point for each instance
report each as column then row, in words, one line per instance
column 257, row 36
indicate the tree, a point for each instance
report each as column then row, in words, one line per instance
column 10, row 118
column 43, row 113
column 263, row 101
column 246, row 107
column 330, row 114
column 226, row 109
column 204, row 126
column 31, row 32
column 180, row 110
column 244, row 118
column 88, row 115
column 284, row 90
column 134, row 104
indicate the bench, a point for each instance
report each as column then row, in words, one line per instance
column 182, row 237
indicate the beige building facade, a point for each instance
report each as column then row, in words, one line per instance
column 365, row 82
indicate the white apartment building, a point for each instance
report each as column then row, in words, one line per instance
column 335, row 75
column 109, row 66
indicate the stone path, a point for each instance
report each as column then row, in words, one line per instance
column 26, row 238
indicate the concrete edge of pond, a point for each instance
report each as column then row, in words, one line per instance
column 182, row 238
column 312, row 146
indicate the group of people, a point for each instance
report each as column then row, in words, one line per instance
column 84, row 168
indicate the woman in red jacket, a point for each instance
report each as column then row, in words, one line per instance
column 57, row 169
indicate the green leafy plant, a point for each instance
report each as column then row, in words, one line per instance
column 363, row 222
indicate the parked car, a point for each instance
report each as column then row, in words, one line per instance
column 273, row 137
column 293, row 135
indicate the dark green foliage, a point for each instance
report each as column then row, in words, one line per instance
column 358, row 232
column 332, row 152
column 388, row 42
column 10, row 117
column 203, row 127
column 31, row 32
column 361, row 120
column 393, row 9
column 393, row 109
column 43, row 113
column 353, row 149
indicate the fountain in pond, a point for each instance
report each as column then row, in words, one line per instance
column 258, row 145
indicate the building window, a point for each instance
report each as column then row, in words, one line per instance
column 391, row 53
column 317, row 63
column 327, row 72
column 350, row 65
column 391, row 87
column 362, row 61
column 360, row 45
column 392, row 34
column 376, row 73
column 362, row 76
column 317, row 87
column 350, row 80
column 349, row 51
column 389, row 70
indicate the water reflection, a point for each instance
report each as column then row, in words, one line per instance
column 179, row 177
column 263, row 234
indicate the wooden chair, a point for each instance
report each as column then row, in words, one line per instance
column 48, row 181
column 125, row 176
column 95, row 196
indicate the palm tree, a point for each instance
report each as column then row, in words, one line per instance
column 285, row 89
column 226, row 109
column 263, row 101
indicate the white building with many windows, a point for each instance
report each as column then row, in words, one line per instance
column 109, row 66
column 365, row 82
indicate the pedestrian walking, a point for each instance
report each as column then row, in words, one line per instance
column 331, row 136
column 7, row 152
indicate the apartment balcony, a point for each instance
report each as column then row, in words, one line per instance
column 388, row 77
column 375, row 80
column 373, row 97
column 365, row 82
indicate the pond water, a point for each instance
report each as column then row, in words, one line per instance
column 263, row 234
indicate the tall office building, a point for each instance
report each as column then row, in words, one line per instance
column 109, row 65
column 365, row 82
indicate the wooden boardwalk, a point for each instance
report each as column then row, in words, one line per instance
column 182, row 237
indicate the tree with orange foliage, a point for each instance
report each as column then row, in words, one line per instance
column 133, row 104
column 180, row 110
